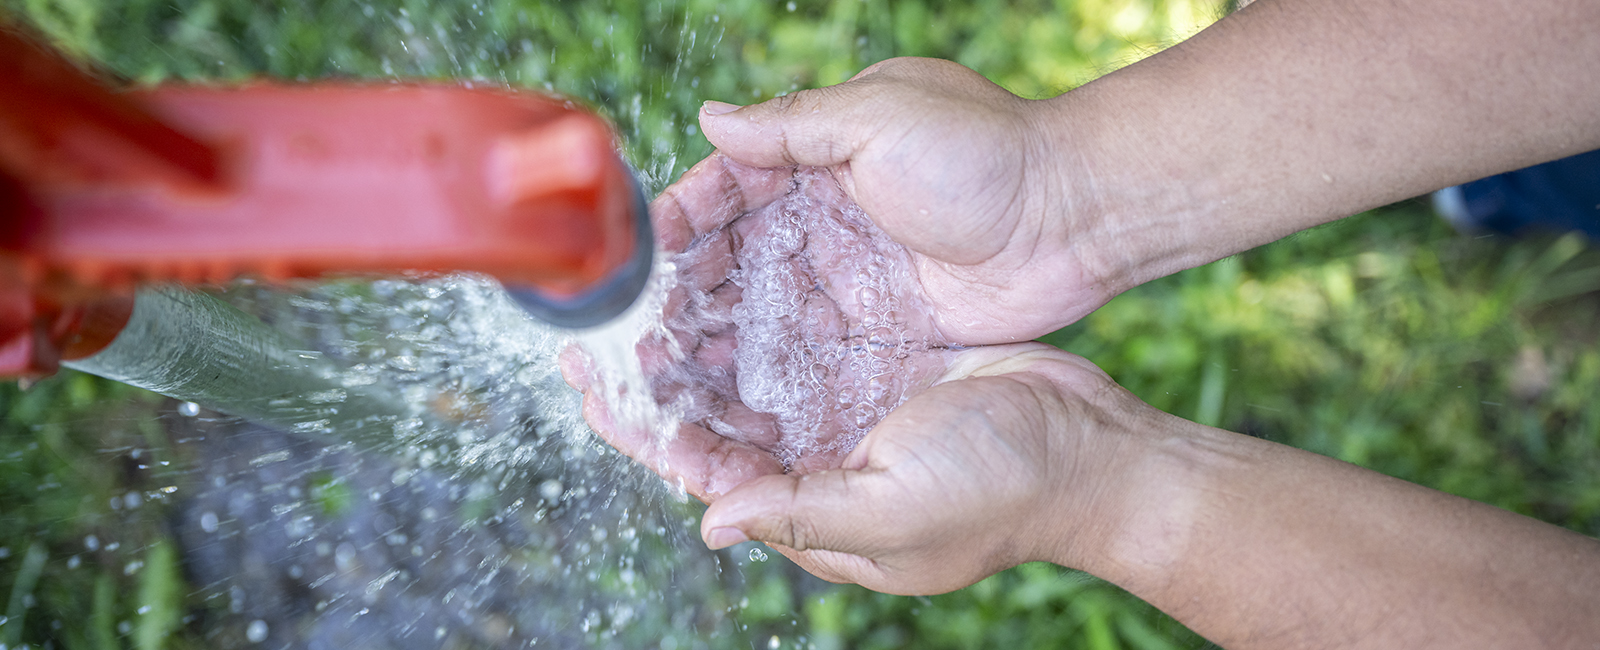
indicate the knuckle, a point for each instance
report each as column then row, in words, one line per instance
column 887, row 66
column 784, row 104
column 803, row 534
column 796, row 531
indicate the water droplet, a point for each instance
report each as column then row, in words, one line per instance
column 550, row 490
column 819, row 373
column 865, row 416
column 846, row 395
column 92, row 543
column 344, row 556
column 208, row 522
column 880, row 389
column 774, row 643
column 189, row 409
column 758, row 555
column 257, row 631
column 868, row 296
column 270, row 457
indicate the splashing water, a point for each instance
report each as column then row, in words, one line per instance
column 813, row 333
column 830, row 334
column 516, row 525
column 499, row 520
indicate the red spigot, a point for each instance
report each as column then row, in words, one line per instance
column 194, row 184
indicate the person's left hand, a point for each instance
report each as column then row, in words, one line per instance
column 794, row 326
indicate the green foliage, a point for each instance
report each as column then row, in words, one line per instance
column 646, row 64
column 161, row 592
column 1466, row 365
column 1031, row 606
column 76, row 468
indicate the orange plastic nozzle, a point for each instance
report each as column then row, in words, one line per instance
column 196, row 184
column 341, row 179
column 58, row 125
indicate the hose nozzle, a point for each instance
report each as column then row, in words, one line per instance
column 102, row 191
column 607, row 298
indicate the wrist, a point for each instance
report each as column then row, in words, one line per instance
column 1131, row 209
column 1118, row 469
column 1134, row 484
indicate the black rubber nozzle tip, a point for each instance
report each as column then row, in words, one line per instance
column 611, row 296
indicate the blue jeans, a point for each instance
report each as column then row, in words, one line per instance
column 1557, row 196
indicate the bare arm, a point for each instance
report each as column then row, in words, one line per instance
column 1027, row 215
column 1292, row 113
column 1258, row 545
column 1038, row 456
column 1023, row 216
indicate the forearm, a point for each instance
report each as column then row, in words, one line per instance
column 1258, row 545
column 1292, row 113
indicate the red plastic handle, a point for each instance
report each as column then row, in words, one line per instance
column 202, row 184
column 358, row 179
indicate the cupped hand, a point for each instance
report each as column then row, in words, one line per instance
column 792, row 326
column 980, row 184
column 1013, row 457
column 812, row 301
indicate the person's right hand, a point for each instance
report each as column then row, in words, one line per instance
column 1000, row 217
column 1023, row 452
column 790, row 326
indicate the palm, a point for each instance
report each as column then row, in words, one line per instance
column 1008, row 240
column 795, row 326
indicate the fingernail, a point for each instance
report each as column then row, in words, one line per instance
column 713, row 107
column 724, row 537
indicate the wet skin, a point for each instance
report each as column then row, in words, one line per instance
column 794, row 327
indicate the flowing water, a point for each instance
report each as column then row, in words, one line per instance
column 495, row 518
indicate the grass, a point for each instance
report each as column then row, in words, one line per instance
column 1468, row 365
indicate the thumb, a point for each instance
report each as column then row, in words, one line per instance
column 829, row 510
column 820, row 127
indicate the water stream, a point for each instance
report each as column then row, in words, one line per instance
column 495, row 518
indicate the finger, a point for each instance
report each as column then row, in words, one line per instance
column 740, row 422
column 718, row 310
column 820, row 461
column 707, row 264
column 712, row 466
column 577, row 368
column 714, row 365
column 709, row 196
column 703, row 463
column 1066, row 369
column 660, row 353
column 819, row 127
column 832, row 510
column 834, row 566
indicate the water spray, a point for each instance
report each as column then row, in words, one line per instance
column 115, row 201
